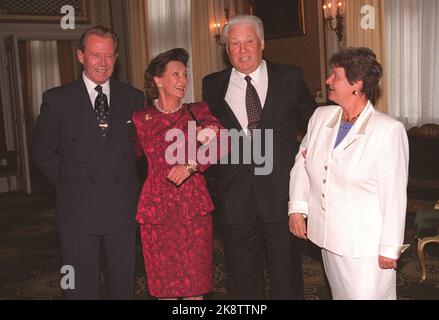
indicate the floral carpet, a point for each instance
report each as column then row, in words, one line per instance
column 29, row 259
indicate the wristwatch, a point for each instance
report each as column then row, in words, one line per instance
column 191, row 167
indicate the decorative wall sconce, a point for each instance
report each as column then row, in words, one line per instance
column 217, row 28
column 334, row 18
column 222, row 21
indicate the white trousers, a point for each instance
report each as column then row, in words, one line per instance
column 359, row 278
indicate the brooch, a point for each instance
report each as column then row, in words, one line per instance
column 148, row 117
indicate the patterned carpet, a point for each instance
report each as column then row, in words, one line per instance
column 29, row 258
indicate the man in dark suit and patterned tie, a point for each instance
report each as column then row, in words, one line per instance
column 258, row 95
column 84, row 144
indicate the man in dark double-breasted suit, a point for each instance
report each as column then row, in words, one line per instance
column 254, row 206
column 84, row 144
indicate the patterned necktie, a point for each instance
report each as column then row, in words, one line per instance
column 253, row 105
column 101, row 109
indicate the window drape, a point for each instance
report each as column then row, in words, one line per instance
column 67, row 67
column 373, row 38
column 169, row 23
column 138, row 39
column 412, row 44
column 45, row 71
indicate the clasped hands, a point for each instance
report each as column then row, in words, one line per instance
column 179, row 173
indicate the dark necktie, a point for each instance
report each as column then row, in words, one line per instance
column 101, row 109
column 253, row 105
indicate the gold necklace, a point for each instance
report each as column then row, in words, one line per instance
column 347, row 119
column 168, row 111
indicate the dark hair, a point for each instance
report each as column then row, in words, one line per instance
column 157, row 68
column 99, row 31
column 360, row 64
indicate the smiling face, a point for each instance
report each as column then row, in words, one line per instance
column 98, row 58
column 244, row 48
column 173, row 83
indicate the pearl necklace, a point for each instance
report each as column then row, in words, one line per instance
column 168, row 111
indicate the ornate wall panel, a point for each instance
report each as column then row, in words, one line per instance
column 42, row 11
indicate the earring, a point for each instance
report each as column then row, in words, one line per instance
column 160, row 86
column 354, row 93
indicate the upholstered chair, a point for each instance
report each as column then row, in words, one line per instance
column 427, row 224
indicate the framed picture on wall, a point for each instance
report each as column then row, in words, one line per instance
column 281, row 18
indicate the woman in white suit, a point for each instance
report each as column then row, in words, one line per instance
column 348, row 184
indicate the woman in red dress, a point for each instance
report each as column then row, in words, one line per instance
column 175, row 205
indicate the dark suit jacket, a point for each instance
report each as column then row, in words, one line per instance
column 95, row 178
column 288, row 104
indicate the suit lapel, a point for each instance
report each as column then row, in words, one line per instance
column 233, row 121
column 331, row 131
column 116, row 102
column 272, row 95
column 228, row 115
column 87, row 110
column 349, row 142
column 92, row 132
column 357, row 131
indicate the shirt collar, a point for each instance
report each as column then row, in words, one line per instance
column 255, row 75
column 91, row 85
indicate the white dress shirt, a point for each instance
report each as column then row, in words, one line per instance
column 91, row 89
column 235, row 96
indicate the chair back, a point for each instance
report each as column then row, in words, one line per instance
column 424, row 156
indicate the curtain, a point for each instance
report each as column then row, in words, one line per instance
column 412, row 35
column 170, row 27
column 374, row 38
column 67, row 68
column 331, row 46
column 209, row 56
column 45, row 71
column 203, row 44
column 26, row 79
column 138, row 39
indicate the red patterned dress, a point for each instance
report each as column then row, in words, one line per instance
column 175, row 222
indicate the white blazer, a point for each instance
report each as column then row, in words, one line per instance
column 354, row 195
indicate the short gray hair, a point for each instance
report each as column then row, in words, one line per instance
column 243, row 19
